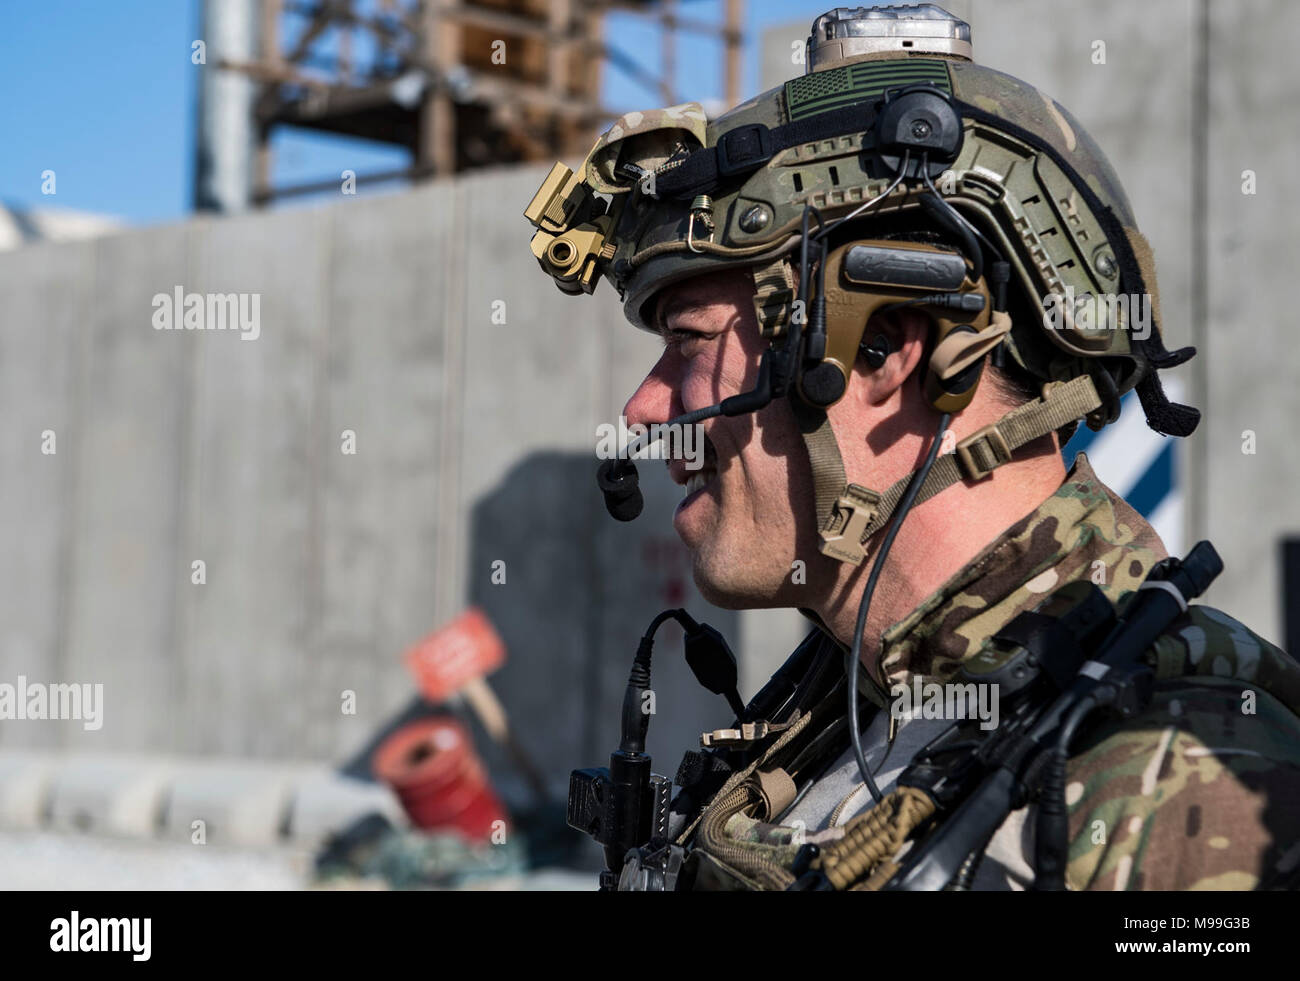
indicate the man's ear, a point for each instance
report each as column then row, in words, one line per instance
column 907, row 332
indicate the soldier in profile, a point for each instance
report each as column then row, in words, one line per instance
column 889, row 291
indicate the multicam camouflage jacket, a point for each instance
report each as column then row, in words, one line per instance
column 1199, row 791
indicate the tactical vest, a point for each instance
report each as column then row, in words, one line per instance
column 732, row 796
column 756, row 779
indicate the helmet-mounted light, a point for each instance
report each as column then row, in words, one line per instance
column 852, row 33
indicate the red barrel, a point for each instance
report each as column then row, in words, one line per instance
column 432, row 767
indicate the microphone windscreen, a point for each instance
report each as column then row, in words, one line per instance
column 623, row 498
column 627, row 508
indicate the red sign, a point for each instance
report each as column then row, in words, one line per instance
column 467, row 648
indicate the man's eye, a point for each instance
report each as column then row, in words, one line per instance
column 677, row 338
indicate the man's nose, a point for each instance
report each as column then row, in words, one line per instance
column 656, row 399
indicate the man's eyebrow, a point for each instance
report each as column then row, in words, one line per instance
column 676, row 303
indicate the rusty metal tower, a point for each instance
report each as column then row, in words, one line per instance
column 458, row 83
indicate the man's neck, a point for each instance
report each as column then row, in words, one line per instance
column 938, row 538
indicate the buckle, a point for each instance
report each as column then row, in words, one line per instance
column 749, row 732
column 996, row 448
column 752, row 149
column 842, row 536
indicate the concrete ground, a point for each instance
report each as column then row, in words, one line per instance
column 46, row 860
column 112, row 822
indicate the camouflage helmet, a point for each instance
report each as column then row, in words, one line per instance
column 680, row 197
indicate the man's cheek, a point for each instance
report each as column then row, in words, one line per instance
column 700, row 390
column 719, row 374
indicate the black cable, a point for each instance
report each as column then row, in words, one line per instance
column 957, row 224
column 1000, row 269
column 680, row 615
column 830, row 735
column 636, row 723
column 898, row 179
column 821, row 268
column 796, row 326
column 814, row 347
column 798, row 798
column 1051, row 828
column 984, row 240
column 855, row 664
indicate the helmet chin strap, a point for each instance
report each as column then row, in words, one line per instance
column 848, row 515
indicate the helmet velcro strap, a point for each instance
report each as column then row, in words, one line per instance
column 773, row 296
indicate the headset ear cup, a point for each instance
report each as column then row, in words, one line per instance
column 954, row 393
column 956, row 362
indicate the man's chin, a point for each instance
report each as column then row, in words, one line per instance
column 730, row 574
column 722, row 597
column 728, row 585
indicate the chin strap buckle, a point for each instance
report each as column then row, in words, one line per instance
column 845, row 532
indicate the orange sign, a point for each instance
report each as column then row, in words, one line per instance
column 467, row 648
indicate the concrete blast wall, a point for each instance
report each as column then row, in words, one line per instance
column 474, row 433
column 418, row 322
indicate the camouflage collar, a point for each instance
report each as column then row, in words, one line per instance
column 1084, row 530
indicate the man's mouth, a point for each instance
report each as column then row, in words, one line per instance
column 693, row 480
column 700, row 480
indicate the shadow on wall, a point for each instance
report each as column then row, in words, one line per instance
column 571, row 591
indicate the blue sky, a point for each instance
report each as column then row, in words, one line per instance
column 103, row 93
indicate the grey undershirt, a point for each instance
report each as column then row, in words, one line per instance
column 1005, row 865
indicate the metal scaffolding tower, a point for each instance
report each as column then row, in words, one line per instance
column 458, row 83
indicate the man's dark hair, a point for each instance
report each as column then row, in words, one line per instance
column 1017, row 386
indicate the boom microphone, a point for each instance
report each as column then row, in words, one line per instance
column 617, row 478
